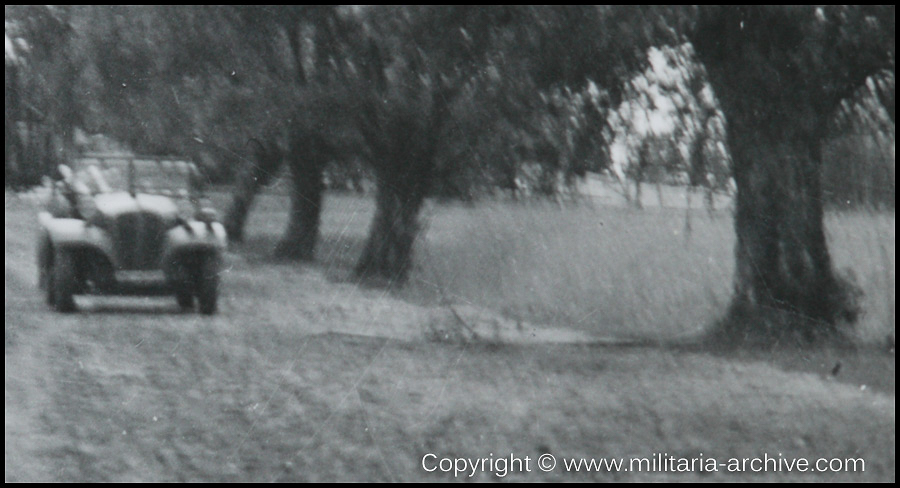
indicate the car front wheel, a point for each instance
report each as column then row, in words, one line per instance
column 208, row 285
column 62, row 283
column 45, row 258
column 185, row 299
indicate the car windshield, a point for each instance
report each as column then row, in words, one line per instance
column 168, row 176
column 171, row 177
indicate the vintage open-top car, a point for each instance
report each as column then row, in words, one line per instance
column 148, row 239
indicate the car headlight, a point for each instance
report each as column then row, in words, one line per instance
column 207, row 215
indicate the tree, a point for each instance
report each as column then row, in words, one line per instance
column 256, row 172
column 781, row 74
column 42, row 107
column 412, row 66
column 422, row 59
column 310, row 40
column 321, row 133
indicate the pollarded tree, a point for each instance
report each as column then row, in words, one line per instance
column 408, row 72
column 416, row 61
column 308, row 42
column 781, row 73
column 321, row 133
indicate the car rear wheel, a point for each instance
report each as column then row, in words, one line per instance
column 63, row 283
column 208, row 285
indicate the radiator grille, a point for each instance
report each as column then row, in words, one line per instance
column 139, row 240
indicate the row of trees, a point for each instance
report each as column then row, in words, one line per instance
column 40, row 111
column 450, row 99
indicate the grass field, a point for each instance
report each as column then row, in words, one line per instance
column 608, row 270
column 306, row 375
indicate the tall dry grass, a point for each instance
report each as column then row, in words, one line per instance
column 611, row 270
column 608, row 270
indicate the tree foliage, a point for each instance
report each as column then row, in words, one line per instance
column 669, row 126
column 42, row 108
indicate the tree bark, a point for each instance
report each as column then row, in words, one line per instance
column 254, row 175
column 389, row 248
column 777, row 98
column 403, row 152
column 784, row 280
column 308, row 159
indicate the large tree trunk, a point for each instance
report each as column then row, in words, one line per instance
column 389, row 248
column 403, row 143
column 252, row 177
column 784, row 281
column 308, row 159
column 777, row 99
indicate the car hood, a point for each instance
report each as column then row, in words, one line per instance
column 118, row 203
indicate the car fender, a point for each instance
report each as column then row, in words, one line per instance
column 201, row 237
column 65, row 233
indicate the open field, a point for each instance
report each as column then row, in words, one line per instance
column 605, row 269
column 307, row 375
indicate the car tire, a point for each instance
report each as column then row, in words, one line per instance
column 49, row 286
column 63, row 282
column 45, row 251
column 47, row 281
column 185, row 299
column 208, row 285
